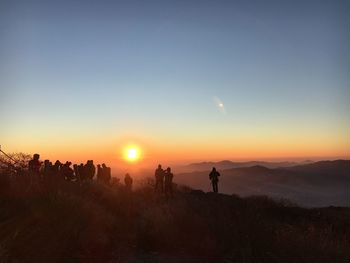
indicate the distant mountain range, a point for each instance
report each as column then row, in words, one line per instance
column 310, row 184
column 226, row 164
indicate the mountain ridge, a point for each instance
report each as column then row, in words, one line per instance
column 315, row 184
column 226, row 164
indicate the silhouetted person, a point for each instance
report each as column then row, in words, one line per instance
column 56, row 170
column 82, row 173
column 90, row 169
column 34, row 166
column 128, row 182
column 99, row 174
column 67, row 172
column 214, row 177
column 47, row 170
column 159, row 176
column 76, row 171
column 46, row 166
column 57, row 166
column 106, row 172
column 168, row 181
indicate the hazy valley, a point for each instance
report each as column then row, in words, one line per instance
column 321, row 183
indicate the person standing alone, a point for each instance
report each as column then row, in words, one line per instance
column 159, row 176
column 214, row 178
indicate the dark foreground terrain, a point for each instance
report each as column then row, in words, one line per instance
column 68, row 222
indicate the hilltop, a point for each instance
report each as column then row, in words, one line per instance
column 97, row 223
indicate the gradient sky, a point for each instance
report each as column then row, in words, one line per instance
column 82, row 79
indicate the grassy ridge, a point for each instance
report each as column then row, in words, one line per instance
column 96, row 223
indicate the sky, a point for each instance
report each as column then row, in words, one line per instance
column 181, row 80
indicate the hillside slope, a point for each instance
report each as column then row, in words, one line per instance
column 97, row 223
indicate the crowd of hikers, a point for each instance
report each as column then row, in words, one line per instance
column 88, row 171
column 77, row 172
column 84, row 172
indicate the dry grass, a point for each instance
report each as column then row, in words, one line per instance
column 68, row 222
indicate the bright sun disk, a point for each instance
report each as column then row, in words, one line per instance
column 132, row 154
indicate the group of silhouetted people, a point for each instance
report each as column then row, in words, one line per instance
column 164, row 181
column 86, row 172
column 104, row 173
column 79, row 173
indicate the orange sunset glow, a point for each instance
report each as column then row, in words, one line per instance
column 201, row 147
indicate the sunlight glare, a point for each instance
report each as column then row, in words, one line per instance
column 132, row 153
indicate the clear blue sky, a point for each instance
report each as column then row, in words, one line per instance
column 91, row 69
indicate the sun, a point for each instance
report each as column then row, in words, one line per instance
column 132, row 154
